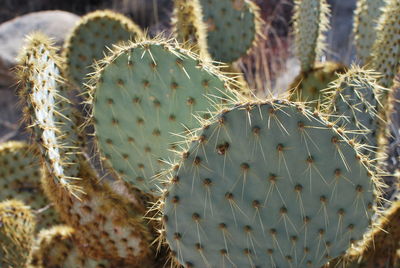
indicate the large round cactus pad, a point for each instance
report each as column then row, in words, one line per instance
column 267, row 185
column 146, row 97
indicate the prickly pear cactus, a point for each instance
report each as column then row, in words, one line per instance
column 386, row 50
column 55, row 248
column 308, row 85
column 365, row 21
column 188, row 26
column 267, row 185
column 48, row 113
column 89, row 40
column 233, row 27
column 148, row 95
column 310, row 21
column 353, row 103
column 20, row 175
column 106, row 224
column 17, row 227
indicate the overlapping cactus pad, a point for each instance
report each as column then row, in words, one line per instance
column 353, row 103
column 267, row 185
column 20, row 175
column 233, row 27
column 55, row 248
column 90, row 39
column 17, row 227
column 147, row 95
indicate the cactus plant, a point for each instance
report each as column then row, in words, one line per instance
column 267, row 185
column 365, row 20
column 386, row 49
column 164, row 87
column 55, row 248
column 352, row 102
column 20, row 174
column 310, row 21
column 89, row 40
column 241, row 175
column 50, row 117
column 233, row 27
column 17, row 226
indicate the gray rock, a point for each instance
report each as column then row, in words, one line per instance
column 55, row 24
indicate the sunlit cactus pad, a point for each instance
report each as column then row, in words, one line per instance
column 267, row 185
column 147, row 95
column 90, row 39
column 20, row 174
column 233, row 27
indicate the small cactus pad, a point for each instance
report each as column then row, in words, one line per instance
column 353, row 101
column 20, row 175
column 146, row 97
column 188, row 26
column 233, row 27
column 365, row 21
column 308, row 85
column 386, row 50
column 107, row 226
column 17, row 227
column 267, row 185
column 310, row 21
column 89, row 40
column 48, row 112
column 55, row 247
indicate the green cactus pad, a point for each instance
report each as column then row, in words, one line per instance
column 147, row 95
column 267, row 185
column 17, row 227
column 55, row 247
column 89, row 40
column 353, row 102
column 308, row 85
column 20, row 175
column 188, row 26
column 232, row 27
column 365, row 21
column 310, row 21
column 48, row 113
column 386, row 50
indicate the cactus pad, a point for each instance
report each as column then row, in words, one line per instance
column 55, row 248
column 147, row 95
column 106, row 225
column 48, row 113
column 310, row 21
column 189, row 27
column 365, row 21
column 232, row 27
column 89, row 40
column 267, row 185
column 17, row 227
column 386, row 50
column 353, row 101
column 307, row 85
column 20, row 175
